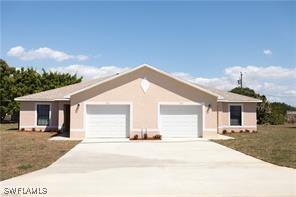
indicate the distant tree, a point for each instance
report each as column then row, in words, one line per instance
column 19, row 82
column 281, row 107
column 279, row 111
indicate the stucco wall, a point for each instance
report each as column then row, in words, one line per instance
column 249, row 117
column 28, row 115
column 127, row 89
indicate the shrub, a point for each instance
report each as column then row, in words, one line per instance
column 145, row 136
column 157, row 137
column 276, row 118
column 232, row 131
column 224, row 131
column 22, row 129
column 241, row 131
column 136, row 137
column 33, row 129
column 247, row 131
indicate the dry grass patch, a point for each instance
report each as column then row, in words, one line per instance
column 273, row 143
column 23, row 152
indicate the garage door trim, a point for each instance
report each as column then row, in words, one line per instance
column 202, row 128
column 108, row 104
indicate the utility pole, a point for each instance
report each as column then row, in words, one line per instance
column 240, row 81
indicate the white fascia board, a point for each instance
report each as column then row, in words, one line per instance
column 229, row 101
column 40, row 99
column 63, row 99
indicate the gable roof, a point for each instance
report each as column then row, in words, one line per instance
column 59, row 93
column 137, row 68
column 64, row 93
column 232, row 97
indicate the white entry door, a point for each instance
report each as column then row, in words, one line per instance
column 107, row 120
column 180, row 120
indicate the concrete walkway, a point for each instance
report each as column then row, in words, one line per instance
column 166, row 168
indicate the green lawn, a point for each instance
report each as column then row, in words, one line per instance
column 23, row 152
column 273, row 143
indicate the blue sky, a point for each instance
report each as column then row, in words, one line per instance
column 206, row 42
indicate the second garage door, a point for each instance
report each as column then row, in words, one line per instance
column 180, row 120
column 107, row 120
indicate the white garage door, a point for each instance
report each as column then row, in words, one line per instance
column 107, row 120
column 180, row 120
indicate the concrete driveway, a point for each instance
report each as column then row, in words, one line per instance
column 167, row 168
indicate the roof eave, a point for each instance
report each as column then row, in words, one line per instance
column 40, row 99
column 238, row 101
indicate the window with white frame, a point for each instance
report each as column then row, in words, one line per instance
column 43, row 114
column 235, row 115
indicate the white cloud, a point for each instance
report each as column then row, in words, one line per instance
column 276, row 82
column 262, row 72
column 267, row 51
column 88, row 72
column 42, row 53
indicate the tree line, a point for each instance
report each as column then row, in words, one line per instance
column 19, row 82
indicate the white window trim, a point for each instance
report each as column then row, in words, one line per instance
column 35, row 122
column 184, row 104
column 242, row 115
column 108, row 103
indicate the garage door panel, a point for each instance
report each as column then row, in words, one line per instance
column 107, row 121
column 111, row 109
column 179, row 121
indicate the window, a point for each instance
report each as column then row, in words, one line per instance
column 235, row 115
column 43, row 115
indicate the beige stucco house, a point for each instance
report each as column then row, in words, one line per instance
column 138, row 101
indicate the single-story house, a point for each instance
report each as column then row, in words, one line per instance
column 138, row 101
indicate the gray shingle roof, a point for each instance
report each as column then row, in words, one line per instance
column 231, row 97
column 60, row 93
column 63, row 92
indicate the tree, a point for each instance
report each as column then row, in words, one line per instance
column 6, row 89
column 282, row 107
column 279, row 111
column 19, row 82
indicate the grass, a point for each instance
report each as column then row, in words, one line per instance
column 273, row 143
column 23, row 152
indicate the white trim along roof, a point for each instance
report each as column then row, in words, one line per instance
column 64, row 93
